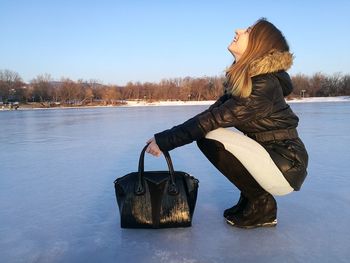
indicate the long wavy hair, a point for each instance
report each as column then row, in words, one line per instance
column 264, row 38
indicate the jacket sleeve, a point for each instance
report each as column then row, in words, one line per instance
column 220, row 101
column 217, row 103
column 230, row 112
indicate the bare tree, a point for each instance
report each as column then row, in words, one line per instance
column 334, row 84
column 301, row 84
column 42, row 87
column 186, row 89
column 89, row 94
column 111, row 95
column 345, row 89
column 67, row 91
column 10, row 84
column 316, row 82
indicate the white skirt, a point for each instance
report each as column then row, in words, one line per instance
column 255, row 159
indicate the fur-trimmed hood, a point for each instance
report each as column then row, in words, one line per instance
column 273, row 62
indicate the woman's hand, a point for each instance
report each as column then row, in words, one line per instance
column 153, row 148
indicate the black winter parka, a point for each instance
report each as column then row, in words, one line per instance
column 264, row 110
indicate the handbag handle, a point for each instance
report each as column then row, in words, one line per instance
column 139, row 187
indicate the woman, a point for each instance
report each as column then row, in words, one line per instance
column 269, row 159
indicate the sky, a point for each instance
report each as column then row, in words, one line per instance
column 115, row 42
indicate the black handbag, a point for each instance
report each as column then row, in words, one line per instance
column 156, row 199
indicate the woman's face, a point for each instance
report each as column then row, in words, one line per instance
column 239, row 43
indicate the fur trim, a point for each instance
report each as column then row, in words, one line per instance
column 272, row 62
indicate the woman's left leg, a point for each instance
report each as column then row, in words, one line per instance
column 249, row 166
column 230, row 167
column 256, row 207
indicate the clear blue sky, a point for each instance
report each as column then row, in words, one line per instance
column 120, row 41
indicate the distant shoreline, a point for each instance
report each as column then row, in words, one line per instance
column 142, row 103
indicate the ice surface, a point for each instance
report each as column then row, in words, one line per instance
column 57, row 200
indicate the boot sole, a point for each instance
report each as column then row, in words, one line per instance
column 267, row 224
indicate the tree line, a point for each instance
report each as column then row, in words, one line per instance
column 43, row 89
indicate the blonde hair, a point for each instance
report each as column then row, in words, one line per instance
column 264, row 38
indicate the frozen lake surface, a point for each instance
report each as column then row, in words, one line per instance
column 57, row 201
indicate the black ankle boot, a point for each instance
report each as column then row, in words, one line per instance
column 242, row 202
column 259, row 211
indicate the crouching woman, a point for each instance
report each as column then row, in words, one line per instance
column 268, row 157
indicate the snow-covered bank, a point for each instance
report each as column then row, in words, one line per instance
column 186, row 103
column 169, row 103
column 321, row 99
column 209, row 102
